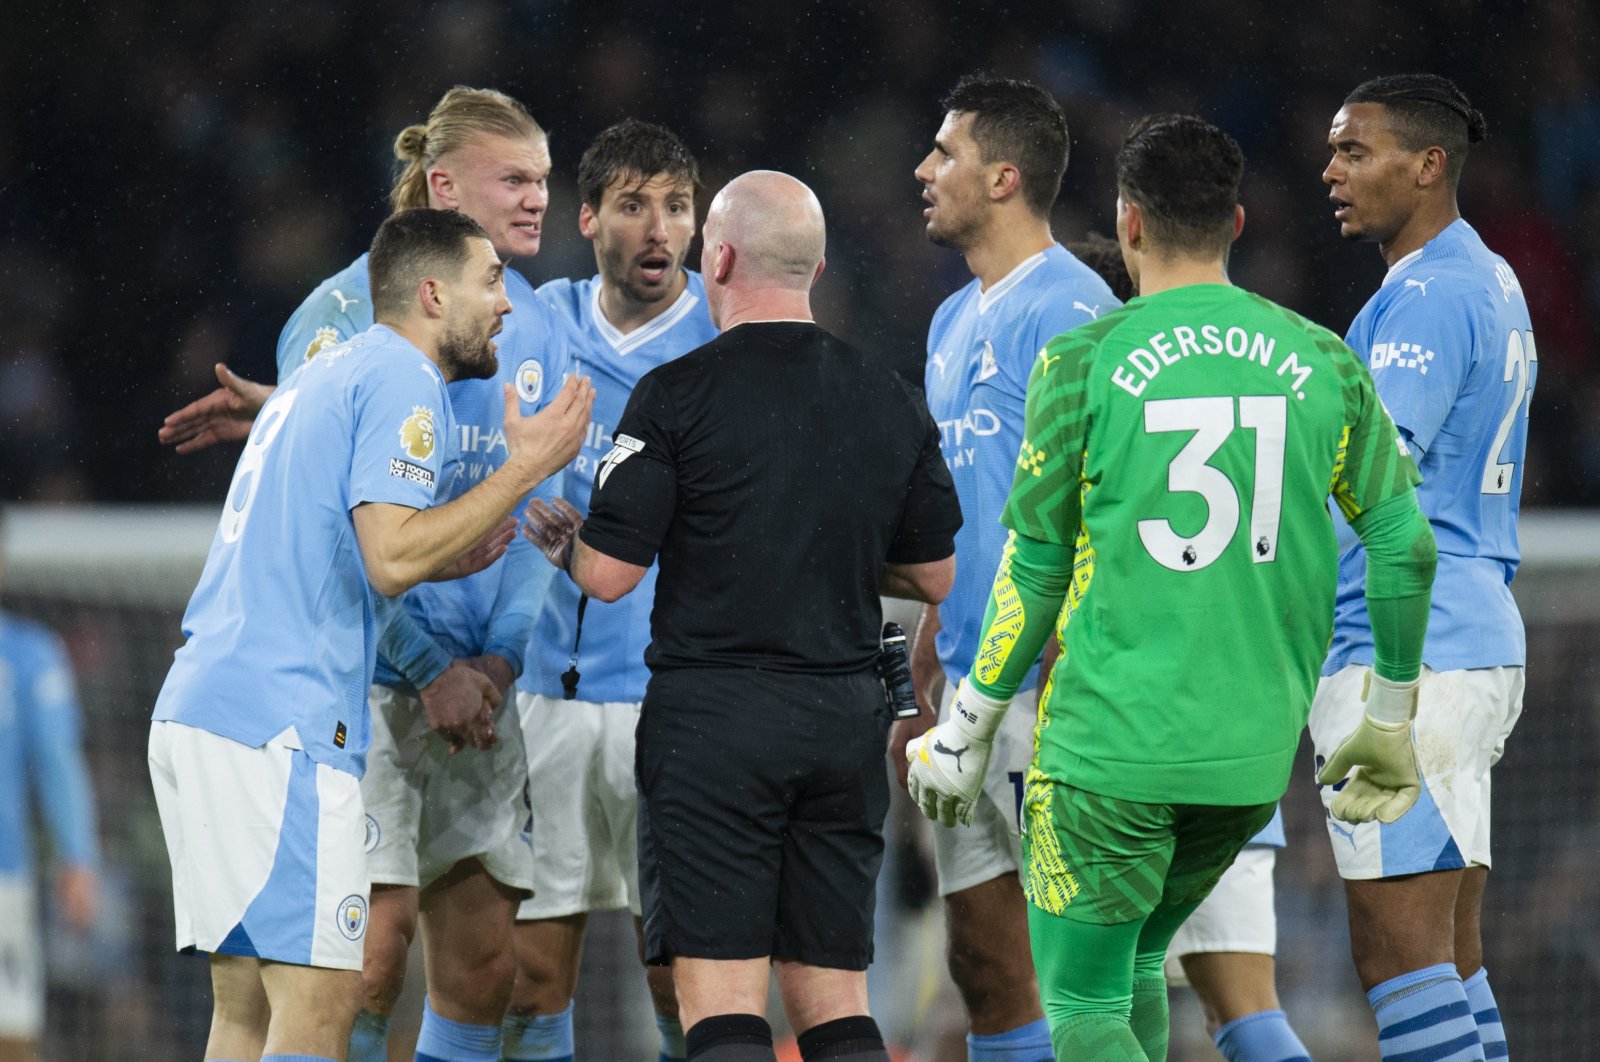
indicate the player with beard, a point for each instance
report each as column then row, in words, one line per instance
column 643, row 309
column 990, row 181
column 260, row 733
column 445, row 832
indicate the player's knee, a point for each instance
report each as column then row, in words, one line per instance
column 540, row 986
column 985, row 976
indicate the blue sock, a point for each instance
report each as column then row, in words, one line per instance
column 673, row 1048
column 443, row 1040
column 1423, row 1016
column 1264, row 1036
column 1026, row 1043
column 545, row 1038
column 1486, row 1012
column 295, row 1058
column 369, row 1038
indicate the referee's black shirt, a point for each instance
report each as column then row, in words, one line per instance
column 774, row 470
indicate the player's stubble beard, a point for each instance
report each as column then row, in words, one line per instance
column 615, row 266
column 464, row 355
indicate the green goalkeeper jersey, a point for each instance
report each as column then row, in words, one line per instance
column 1187, row 445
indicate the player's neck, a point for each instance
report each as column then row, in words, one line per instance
column 422, row 337
column 1159, row 273
column 1007, row 244
column 1421, row 227
column 627, row 314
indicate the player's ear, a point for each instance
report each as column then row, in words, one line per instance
column 588, row 224
column 442, row 189
column 431, row 297
column 1432, row 167
column 1005, row 181
column 1238, row 219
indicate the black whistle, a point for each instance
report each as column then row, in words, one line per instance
column 569, row 684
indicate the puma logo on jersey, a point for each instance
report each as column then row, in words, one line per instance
column 1092, row 311
column 1044, row 356
column 939, row 746
column 1423, row 284
column 344, row 303
column 939, row 362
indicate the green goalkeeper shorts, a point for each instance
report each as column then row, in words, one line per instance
column 1106, row 861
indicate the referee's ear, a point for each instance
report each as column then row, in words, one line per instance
column 822, row 263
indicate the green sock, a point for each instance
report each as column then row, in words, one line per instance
column 1096, row 1038
column 1149, row 1019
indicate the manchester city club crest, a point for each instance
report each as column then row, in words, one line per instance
column 353, row 916
column 530, row 380
column 374, row 834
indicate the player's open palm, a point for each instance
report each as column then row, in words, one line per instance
column 551, row 437
column 224, row 415
column 552, row 526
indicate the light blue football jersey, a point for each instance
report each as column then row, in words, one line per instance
column 611, row 658
column 1451, row 349
column 492, row 611
column 981, row 348
column 41, row 758
column 281, row 630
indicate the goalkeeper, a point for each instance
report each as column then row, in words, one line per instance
column 1171, row 500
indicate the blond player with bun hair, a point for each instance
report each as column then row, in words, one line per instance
column 445, row 833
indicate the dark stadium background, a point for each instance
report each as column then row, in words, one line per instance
column 176, row 176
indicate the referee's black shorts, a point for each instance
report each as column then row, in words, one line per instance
column 761, row 804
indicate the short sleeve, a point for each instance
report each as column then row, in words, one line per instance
column 1045, row 502
column 932, row 513
column 402, row 449
column 636, row 483
column 1420, row 351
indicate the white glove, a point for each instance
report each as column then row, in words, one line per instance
column 1385, row 782
column 948, row 762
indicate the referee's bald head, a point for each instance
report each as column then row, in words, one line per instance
column 773, row 224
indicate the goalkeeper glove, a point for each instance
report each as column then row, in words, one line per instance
column 948, row 762
column 1385, row 782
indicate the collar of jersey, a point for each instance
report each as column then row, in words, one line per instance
column 987, row 299
column 1406, row 262
column 625, row 342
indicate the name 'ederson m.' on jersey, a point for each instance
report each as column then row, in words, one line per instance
column 491, row 611
column 615, row 634
column 1451, row 350
column 981, row 347
column 1192, row 440
column 281, row 630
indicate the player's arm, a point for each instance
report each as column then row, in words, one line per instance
column 1036, row 567
column 402, row 546
column 1420, row 354
column 224, row 415
column 1374, row 487
column 52, row 724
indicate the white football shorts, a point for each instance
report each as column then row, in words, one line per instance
column 1237, row 916
column 428, row 810
column 1463, row 720
column 21, row 961
column 266, row 851
column 585, row 805
column 971, row 855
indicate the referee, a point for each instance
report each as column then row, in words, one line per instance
column 784, row 480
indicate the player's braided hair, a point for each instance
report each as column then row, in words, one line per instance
column 1426, row 110
column 461, row 114
column 634, row 150
column 1020, row 123
column 1184, row 174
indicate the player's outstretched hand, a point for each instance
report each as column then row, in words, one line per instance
column 552, row 526
column 947, row 764
column 224, row 415
column 1385, row 782
column 489, row 549
column 460, row 706
column 551, row 437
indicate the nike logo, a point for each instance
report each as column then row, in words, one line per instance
column 1092, row 311
column 939, row 746
column 344, row 303
column 1423, row 284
